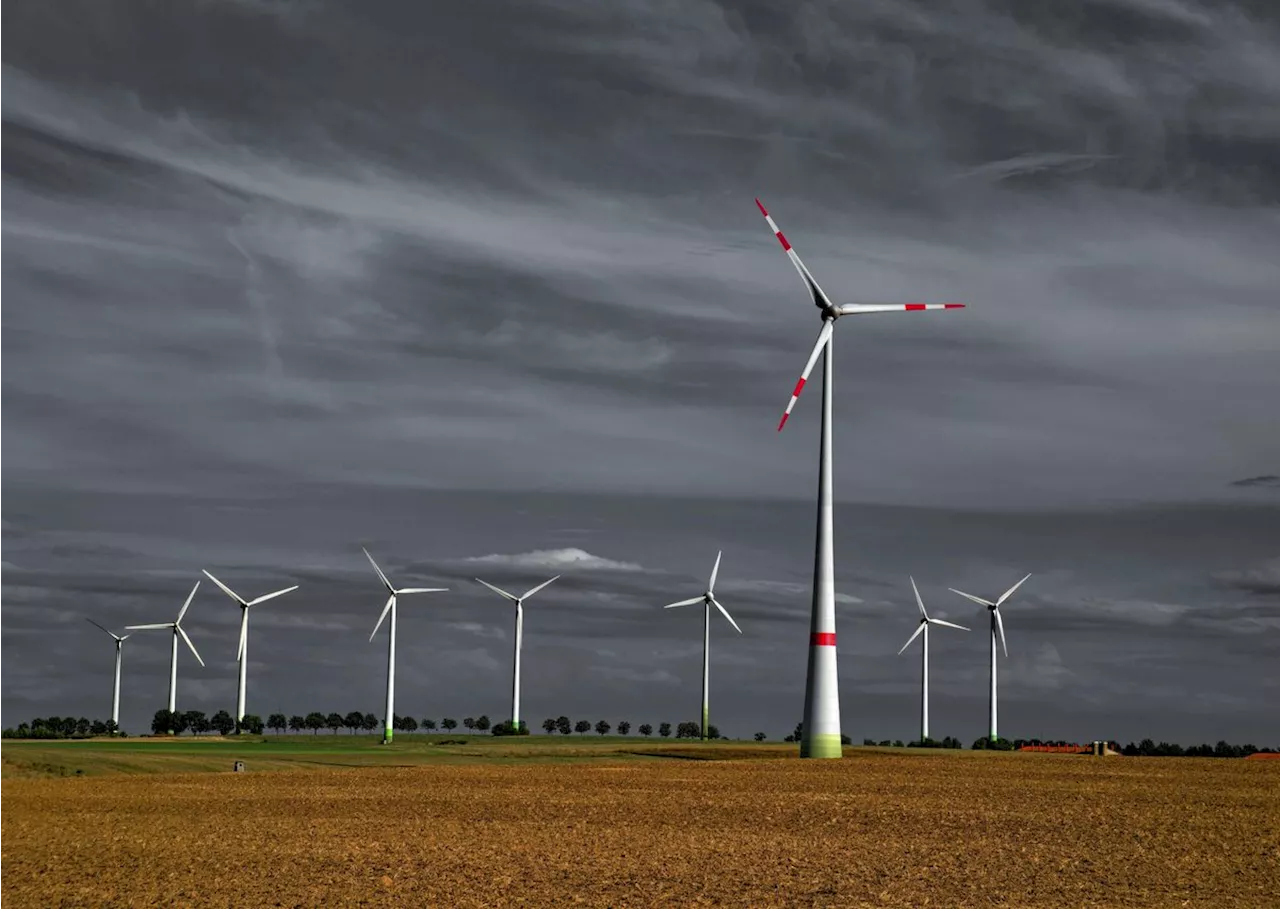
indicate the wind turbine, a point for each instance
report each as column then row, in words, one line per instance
column 923, row 629
column 388, row 729
column 997, row 627
column 242, row 654
column 708, row 599
column 115, row 692
column 176, row 625
column 515, row 684
column 820, row 735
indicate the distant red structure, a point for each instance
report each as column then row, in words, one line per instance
column 1264, row 756
column 1059, row 749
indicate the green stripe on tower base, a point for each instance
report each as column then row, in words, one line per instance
column 823, row 745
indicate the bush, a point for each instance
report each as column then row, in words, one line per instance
column 760, row 736
column 505, row 728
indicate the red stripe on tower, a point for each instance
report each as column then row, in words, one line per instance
column 822, row 639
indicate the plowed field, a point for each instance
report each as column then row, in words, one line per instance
column 872, row 830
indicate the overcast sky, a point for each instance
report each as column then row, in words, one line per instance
column 484, row 289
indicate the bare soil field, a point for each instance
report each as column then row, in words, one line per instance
column 875, row 829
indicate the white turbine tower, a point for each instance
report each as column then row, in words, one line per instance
column 242, row 654
column 515, row 682
column 388, row 726
column 997, row 628
column 923, row 629
column 708, row 599
column 115, row 691
column 820, row 737
column 173, row 659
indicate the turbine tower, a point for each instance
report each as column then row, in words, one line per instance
column 515, row 683
column 997, row 627
column 242, row 654
column 820, row 735
column 708, row 599
column 388, row 726
column 923, row 629
column 173, row 659
column 115, row 691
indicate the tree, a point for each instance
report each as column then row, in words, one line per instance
column 548, row 725
column 563, row 725
column 448, row 724
column 664, row 729
column 197, row 722
column 297, row 723
column 370, row 722
column 482, row 723
column 353, row 721
column 315, row 722
column 469, row 722
column 688, row 730
column 251, row 723
column 582, row 726
column 713, row 732
column 98, row 728
column 278, row 722
column 602, row 727
column 624, row 727
column 409, row 724
column 334, row 722
column 83, row 725
column 428, row 724
column 222, row 722
column 646, row 729
column 507, row 728
column 162, row 722
column 178, row 722
column 760, row 736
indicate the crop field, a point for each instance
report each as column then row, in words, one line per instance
column 589, row 823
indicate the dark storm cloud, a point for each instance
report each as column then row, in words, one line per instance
column 282, row 280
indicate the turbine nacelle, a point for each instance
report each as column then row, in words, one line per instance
column 925, row 621
column 391, row 600
column 176, row 626
column 994, row 609
column 709, row 598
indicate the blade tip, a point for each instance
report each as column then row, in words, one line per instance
column 760, row 205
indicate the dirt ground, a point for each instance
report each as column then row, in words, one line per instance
column 872, row 830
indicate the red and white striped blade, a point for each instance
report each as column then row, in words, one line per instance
column 823, row 337
column 820, row 297
column 854, row 309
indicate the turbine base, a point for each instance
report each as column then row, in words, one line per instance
column 822, row 745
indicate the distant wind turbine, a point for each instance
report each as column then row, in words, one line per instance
column 923, row 629
column 242, row 654
column 515, row 676
column 820, row 733
column 115, row 691
column 997, row 628
column 388, row 726
column 708, row 599
column 176, row 626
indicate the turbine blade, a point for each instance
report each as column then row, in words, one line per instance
column 385, row 582
column 823, row 337
column 385, row 609
column 726, row 614
column 225, row 589
column 854, row 309
column 191, row 596
column 715, row 571
column 919, row 628
column 1009, row 592
column 529, row 593
column 919, row 602
column 244, row 635
column 498, row 590
column 421, row 590
column 148, row 627
column 968, row 596
column 948, row 624
column 1000, row 627
column 189, row 644
column 268, row 596
column 688, row 602
column 96, row 625
column 820, row 298
column 124, row 638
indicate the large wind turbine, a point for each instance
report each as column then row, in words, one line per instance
column 820, row 736
column 173, row 659
column 115, row 691
column 708, row 599
column 515, row 679
column 242, row 654
column 923, row 629
column 388, row 726
column 997, row 627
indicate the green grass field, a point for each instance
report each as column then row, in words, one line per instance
column 92, row 757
